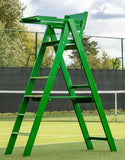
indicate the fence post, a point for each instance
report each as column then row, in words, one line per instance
column 31, row 54
column 122, row 53
column 36, row 36
column 116, row 107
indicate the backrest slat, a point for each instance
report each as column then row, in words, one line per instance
column 82, row 17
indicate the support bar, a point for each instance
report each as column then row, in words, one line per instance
column 98, row 138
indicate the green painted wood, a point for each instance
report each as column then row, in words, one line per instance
column 40, row 19
column 80, row 86
column 28, row 91
column 45, row 20
column 47, row 91
column 77, row 99
column 70, row 24
column 39, row 77
column 98, row 138
column 21, row 133
column 76, row 106
column 92, row 86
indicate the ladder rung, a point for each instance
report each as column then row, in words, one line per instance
column 55, row 43
column 33, row 96
column 69, row 47
column 21, row 114
column 81, row 86
column 21, row 133
column 42, row 77
column 98, row 138
column 84, row 99
column 77, row 99
column 51, row 43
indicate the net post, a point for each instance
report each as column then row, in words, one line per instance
column 116, row 106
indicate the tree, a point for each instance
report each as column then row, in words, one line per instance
column 10, row 13
column 12, row 52
column 106, row 61
column 48, row 58
column 116, row 63
column 95, row 61
column 28, row 42
column 91, row 49
column 15, row 46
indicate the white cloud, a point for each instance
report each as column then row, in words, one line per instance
column 56, row 8
column 106, row 17
column 30, row 9
column 110, row 8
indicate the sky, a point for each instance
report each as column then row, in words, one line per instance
column 105, row 17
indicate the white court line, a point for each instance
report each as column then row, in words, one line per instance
column 76, row 124
column 49, row 137
column 58, row 143
column 49, row 143
column 45, row 136
column 60, row 125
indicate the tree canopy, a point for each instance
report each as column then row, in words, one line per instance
column 15, row 47
column 10, row 13
column 95, row 61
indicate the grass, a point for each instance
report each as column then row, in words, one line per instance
column 69, row 151
column 89, row 116
column 61, row 140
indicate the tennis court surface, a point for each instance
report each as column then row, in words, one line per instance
column 61, row 139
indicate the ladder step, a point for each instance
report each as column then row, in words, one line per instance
column 34, row 97
column 77, row 99
column 70, row 47
column 21, row 133
column 21, row 114
column 55, row 43
column 98, row 138
column 81, row 86
column 84, row 99
column 51, row 43
column 42, row 77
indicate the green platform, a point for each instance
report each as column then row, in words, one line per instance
column 71, row 26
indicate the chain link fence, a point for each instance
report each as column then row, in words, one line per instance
column 19, row 48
